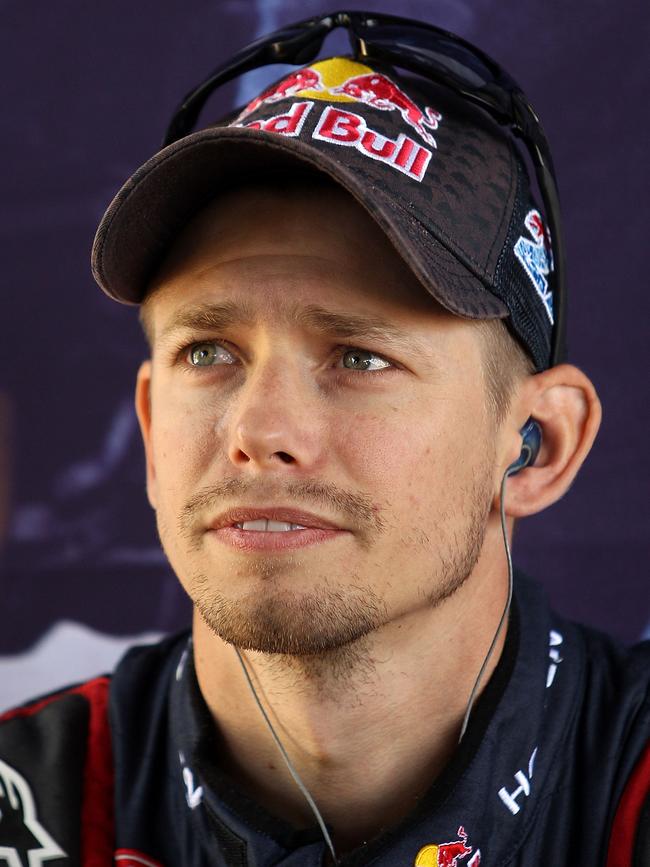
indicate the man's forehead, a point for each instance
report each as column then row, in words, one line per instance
column 211, row 316
column 243, row 266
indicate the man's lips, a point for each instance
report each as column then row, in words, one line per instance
column 238, row 515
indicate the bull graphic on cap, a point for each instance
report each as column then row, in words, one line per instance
column 380, row 92
column 372, row 88
column 302, row 79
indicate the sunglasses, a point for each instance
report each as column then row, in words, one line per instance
column 432, row 53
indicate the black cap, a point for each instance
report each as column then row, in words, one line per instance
column 444, row 182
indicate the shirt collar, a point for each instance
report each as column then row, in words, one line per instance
column 480, row 804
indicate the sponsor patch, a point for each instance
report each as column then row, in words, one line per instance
column 379, row 91
column 511, row 797
column 555, row 641
column 448, row 854
column 292, row 85
column 339, row 80
column 193, row 793
column 536, row 259
column 348, row 129
column 24, row 842
column 288, row 123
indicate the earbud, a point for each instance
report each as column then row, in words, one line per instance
column 532, row 441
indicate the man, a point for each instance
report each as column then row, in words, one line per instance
column 348, row 294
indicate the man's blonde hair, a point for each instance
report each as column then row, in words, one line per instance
column 505, row 364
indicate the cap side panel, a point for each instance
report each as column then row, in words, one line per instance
column 528, row 319
column 447, row 280
column 496, row 248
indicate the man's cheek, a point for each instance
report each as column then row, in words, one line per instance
column 381, row 449
column 186, row 437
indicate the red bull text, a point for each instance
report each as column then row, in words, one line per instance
column 350, row 130
column 382, row 93
column 338, row 126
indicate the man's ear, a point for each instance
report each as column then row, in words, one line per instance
column 564, row 402
column 143, row 412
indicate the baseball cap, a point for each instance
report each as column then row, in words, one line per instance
column 444, row 182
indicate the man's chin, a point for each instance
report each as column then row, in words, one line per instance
column 292, row 624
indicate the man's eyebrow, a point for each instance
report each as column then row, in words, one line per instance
column 218, row 317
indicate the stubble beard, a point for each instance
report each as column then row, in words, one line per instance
column 331, row 626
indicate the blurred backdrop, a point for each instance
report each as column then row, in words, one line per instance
column 88, row 90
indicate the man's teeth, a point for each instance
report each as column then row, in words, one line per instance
column 265, row 526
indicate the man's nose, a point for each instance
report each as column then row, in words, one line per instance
column 277, row 416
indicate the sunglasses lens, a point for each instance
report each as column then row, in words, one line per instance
column 430, row 48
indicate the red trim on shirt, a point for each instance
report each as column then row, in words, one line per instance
column 133, row 858
column 621, row 842
column 97, row 815
column 29, row 709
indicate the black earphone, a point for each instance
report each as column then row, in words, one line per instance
column 532, row 441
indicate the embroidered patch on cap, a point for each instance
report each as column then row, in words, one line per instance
column 537, row 263
column 339, row 80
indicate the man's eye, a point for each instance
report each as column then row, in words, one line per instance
column 210, row 353
column 207, row 354
column 361, row 359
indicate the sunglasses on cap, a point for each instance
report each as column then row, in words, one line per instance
column 428, row 51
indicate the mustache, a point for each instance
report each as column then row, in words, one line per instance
column 357, row 509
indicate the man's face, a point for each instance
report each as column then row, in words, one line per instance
column 377, row 436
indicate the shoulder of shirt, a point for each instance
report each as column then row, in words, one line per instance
column 617, row 718
column 44, row 717
column 616, row 690
column 71, row 699
column 616, row 668
column 57, row 762
column 612, row 667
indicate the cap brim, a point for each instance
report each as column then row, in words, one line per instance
column 161, row 197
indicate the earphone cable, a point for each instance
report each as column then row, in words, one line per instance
column 287, row 761
column 470, row 703
column 472, row 698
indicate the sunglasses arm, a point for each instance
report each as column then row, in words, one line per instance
column 187, row 113
column 298, row 48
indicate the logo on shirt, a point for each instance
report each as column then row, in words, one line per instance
column 555, row 641
column 511, row 797
column 24, row 842
column 448, row 854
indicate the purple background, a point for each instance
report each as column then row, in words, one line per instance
column 88, row 89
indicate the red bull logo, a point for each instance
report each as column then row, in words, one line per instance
column 292, row 85
column 448, row 854
column 343, row 80
column 382, row 93
column 339, row 80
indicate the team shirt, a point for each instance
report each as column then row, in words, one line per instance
column 554, row 768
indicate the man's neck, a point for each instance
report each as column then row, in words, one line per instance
column 369, row 727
